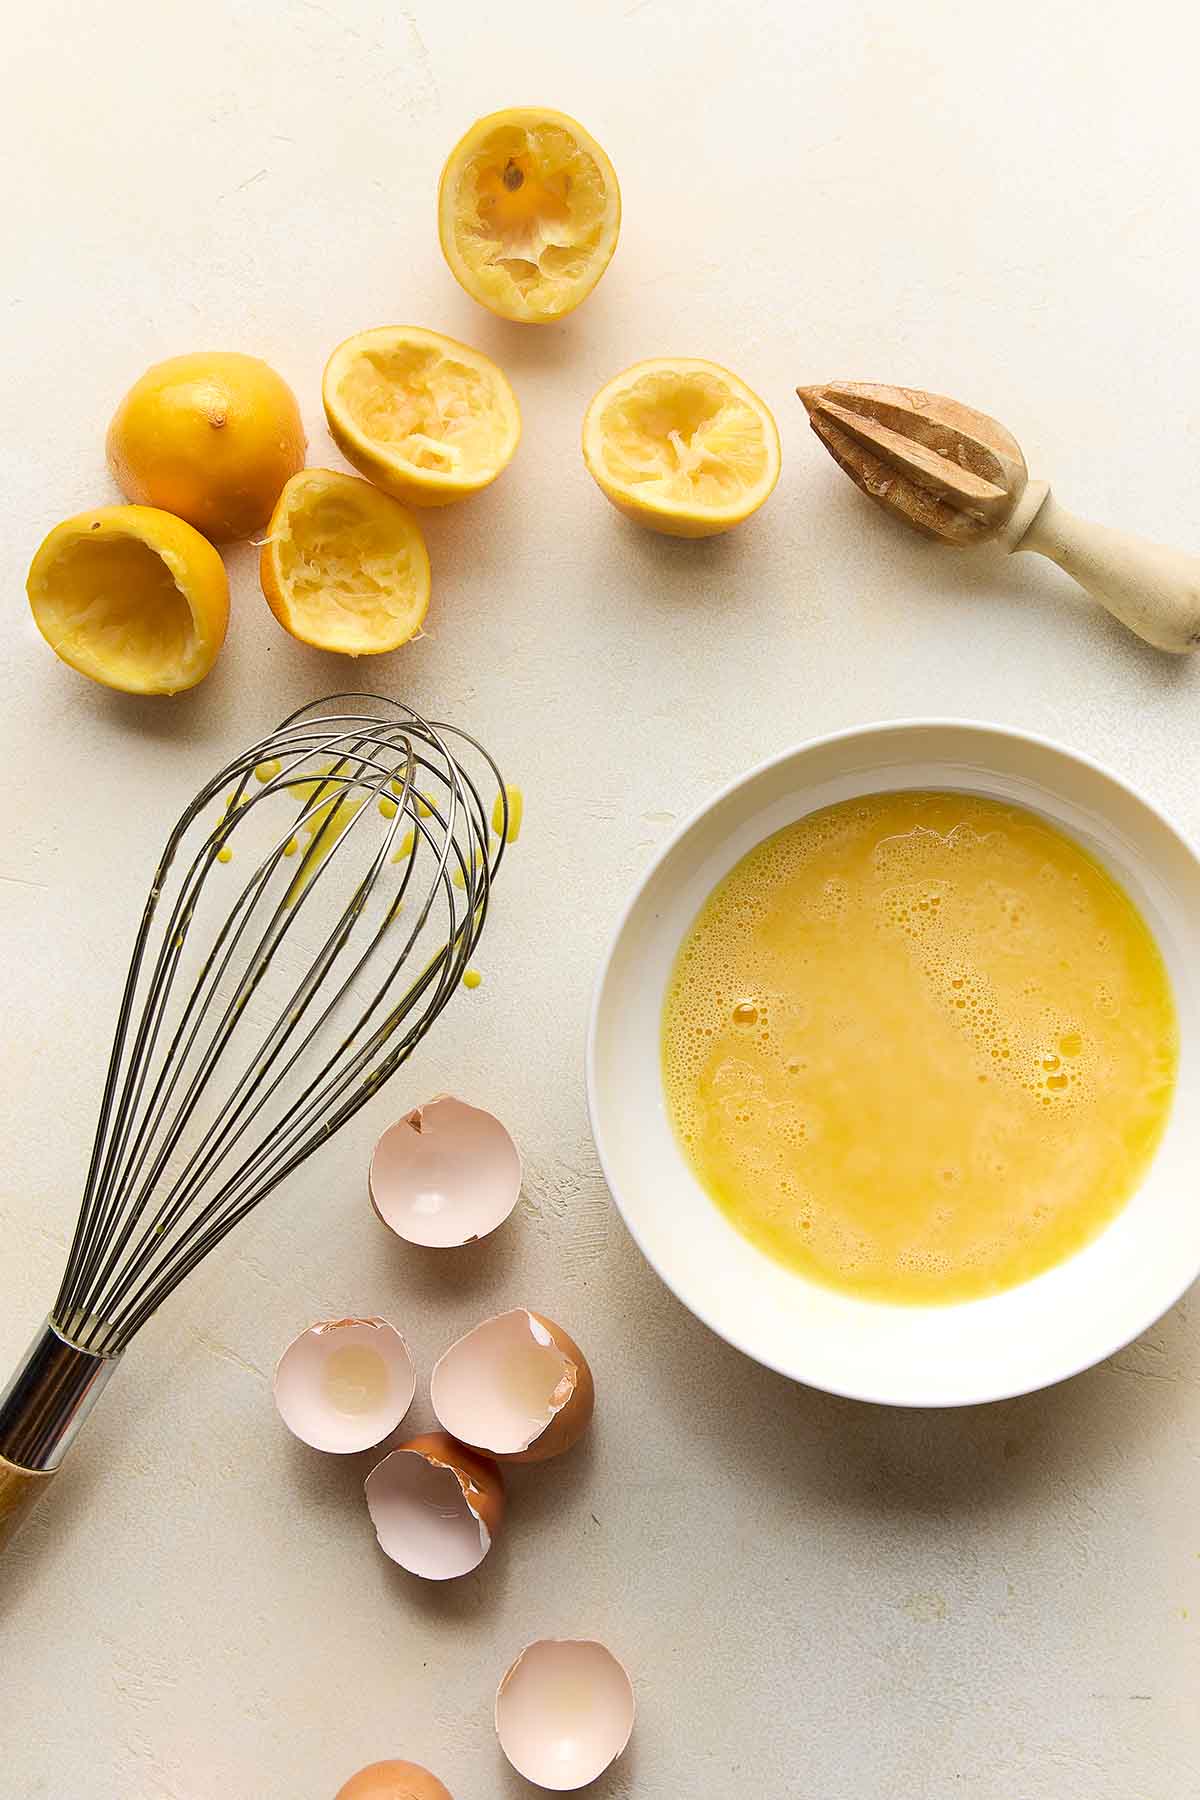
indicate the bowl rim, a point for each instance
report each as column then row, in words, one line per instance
column 823, row 740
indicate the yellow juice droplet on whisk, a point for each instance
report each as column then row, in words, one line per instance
column 387, row 807
column 516, row 813
column 267, row 771
column 325, row 826
column 459, row 876
column 406, row 846
column 424, row 810
column 472, row 978
column 291, row 847
column 225, row 854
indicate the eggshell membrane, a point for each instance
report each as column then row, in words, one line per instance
column 308, row 1381
column 517, row 1387
column 436, row 1506
column 564, row 1712
column 445, row 1175
column 393, row 1781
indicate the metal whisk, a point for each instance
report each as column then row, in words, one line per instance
column 314, row 910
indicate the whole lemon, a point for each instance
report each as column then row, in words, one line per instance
column 211, row 437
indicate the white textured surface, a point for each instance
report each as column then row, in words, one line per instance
column 815, row 1599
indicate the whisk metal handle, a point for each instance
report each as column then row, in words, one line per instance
column 50, row 1395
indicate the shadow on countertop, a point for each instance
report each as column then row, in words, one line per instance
column 851, row 1456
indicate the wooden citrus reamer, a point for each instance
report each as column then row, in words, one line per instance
column 958, row 475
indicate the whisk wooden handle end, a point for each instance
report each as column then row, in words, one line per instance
column 20, row 1489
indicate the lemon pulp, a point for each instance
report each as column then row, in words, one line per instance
column 117, row 599
column 690, row 440
column 414, row 397
column 529, row 211
column 131, row 597
column 344, row 566
column 681, row 446
column 919, row 1046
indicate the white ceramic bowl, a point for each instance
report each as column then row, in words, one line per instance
column 1040, row 1332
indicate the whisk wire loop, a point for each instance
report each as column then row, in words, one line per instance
column 250, row 1029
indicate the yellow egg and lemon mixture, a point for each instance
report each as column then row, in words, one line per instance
column 919, row 1046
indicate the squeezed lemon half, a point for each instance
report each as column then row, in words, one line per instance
column 344, row 567
column 427, row 419
column 211, row 437
column 682, row 446
column 528, row 213
column 132, row 597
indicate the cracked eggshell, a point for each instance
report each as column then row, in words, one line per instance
column 345, row 1384
column 436, row 1506
column 564, row 1712
column 393, row 1781
column 445, row 1175
column 517, row 1387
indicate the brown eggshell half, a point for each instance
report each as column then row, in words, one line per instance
column 480, row 1386
column 393, row 1781
column 437, row 1506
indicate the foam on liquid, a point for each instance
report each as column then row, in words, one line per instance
column 919, row 1046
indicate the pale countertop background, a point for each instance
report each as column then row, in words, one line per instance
column 816, row 1599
